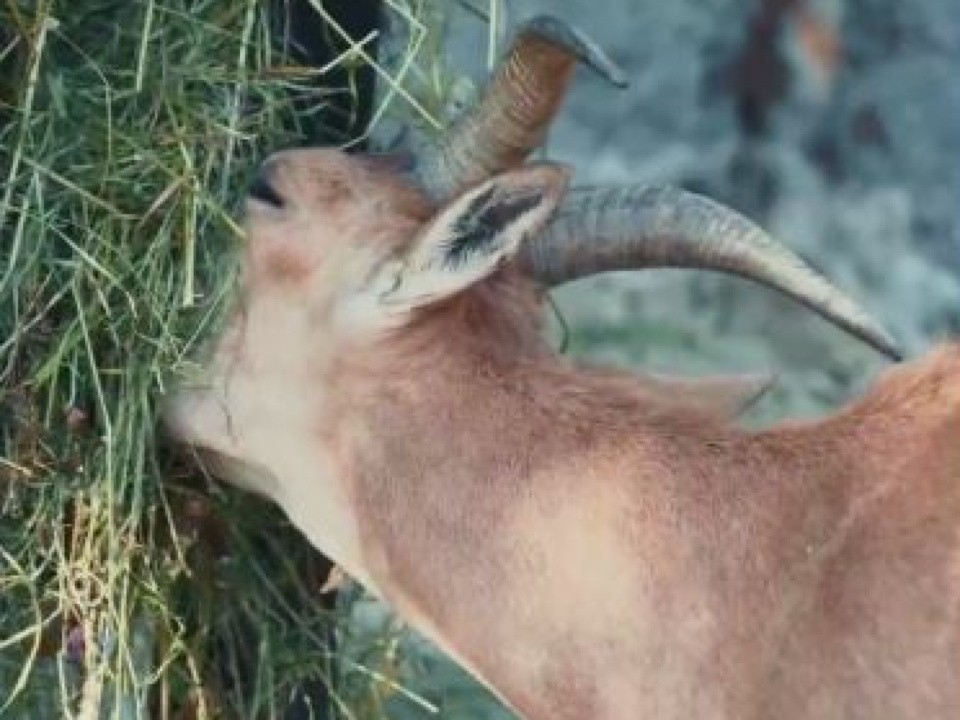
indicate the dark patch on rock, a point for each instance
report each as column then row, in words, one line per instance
column 823, row 151
column 759, row 77
column 868, row 127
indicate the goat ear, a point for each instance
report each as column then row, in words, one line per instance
column 473, row 235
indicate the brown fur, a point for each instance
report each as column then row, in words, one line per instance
column 583, row 544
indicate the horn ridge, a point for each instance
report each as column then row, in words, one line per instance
column 516, row 108
column 642, row 226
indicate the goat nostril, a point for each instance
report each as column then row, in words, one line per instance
column 262, row 190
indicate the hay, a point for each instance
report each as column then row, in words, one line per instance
column 129, row 586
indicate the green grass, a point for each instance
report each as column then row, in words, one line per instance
column 128, row 130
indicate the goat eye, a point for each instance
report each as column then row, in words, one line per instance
column 263, row 191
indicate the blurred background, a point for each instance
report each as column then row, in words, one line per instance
column 131, row 585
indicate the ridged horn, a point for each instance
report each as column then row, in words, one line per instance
column 602, row 229
column 515, row 110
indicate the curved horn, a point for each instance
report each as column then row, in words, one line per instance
column 512, row 117
column 597, row 230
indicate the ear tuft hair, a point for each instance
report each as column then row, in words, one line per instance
column 478, row 229
column 473, row 235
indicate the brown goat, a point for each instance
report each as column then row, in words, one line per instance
column 582, row 541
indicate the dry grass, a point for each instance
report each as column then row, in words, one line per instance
column 129, row 585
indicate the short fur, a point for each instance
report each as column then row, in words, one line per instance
column 584, row 542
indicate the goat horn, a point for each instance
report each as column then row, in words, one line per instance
column 598, row 230
column 514, row 113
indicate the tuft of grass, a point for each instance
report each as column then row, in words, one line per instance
column 130, row 586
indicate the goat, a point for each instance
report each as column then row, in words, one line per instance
column 586, row 542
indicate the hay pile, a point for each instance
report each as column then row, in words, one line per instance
column 131, row 586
